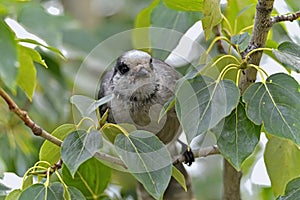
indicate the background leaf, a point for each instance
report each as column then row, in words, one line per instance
column 239, row 137
column 185, row 5
column 147, row 159
column 78, row 147
column 91, row 178
column 212, row 16
column 201, row 103
column 241, row 40
column 26, row 78
column 276, row 104
column 282, row 159
column 9, row 61
column 289, row 54
column 179, row 177
column 179, row 22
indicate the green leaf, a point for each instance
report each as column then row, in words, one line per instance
column 27, row 181
column 276, row 104
column 91, row 178
column 110, row 132
column 282, row 159
column 173, row 24
column 179, row 177
column 26, row 78
column 14, row 195
column 74, row 193
column 147, row 159
column 141, row 38
column 50, row 152
column 239, row 137
column 40, row 192
column 241, row 40
column 185, row 5
column 212, row 16
column 289, row 54
column 201, row 103
column 292, row 190
column 8, row 51
column 35, row 56
column 240, row 14
column 53, row 49
column 3, row 190
column 78, row 147
column 31, row 17
column 170, row 104
column 87, row 105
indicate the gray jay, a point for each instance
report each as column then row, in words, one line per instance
column 141, row 85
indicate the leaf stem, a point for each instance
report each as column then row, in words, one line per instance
column 246, row 28
column 226, row 69
column 215, row 40
column 260, row 70
column 227, row 23
column 255, row 50
column 219, row 59
column 116, row 126
column 86, row 118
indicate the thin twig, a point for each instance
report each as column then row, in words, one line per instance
column 288, row 17
column 23, row 115
column 207, row 151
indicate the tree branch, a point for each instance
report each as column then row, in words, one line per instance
column 231, row 177
column 258, row 39
column 38, row 131
column 212, row 150
column 22, row 114
column 280, row 18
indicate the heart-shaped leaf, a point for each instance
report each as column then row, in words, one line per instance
column 147, row 159
column 201, row 103
column 239, row 136
column 78, row 147
column 276, row 104
column 40, row 192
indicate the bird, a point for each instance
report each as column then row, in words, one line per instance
column 141, row 85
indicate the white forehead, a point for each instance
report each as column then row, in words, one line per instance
column 136, row 55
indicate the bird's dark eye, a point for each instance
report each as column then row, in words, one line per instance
column 150, row 61
column 122, row 68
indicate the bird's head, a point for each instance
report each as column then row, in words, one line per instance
column 134, row 76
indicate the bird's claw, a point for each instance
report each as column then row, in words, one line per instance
column 189, row 157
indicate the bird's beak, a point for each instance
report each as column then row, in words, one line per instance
column 142, row 71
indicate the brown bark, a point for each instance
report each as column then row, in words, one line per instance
column 262, row 25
